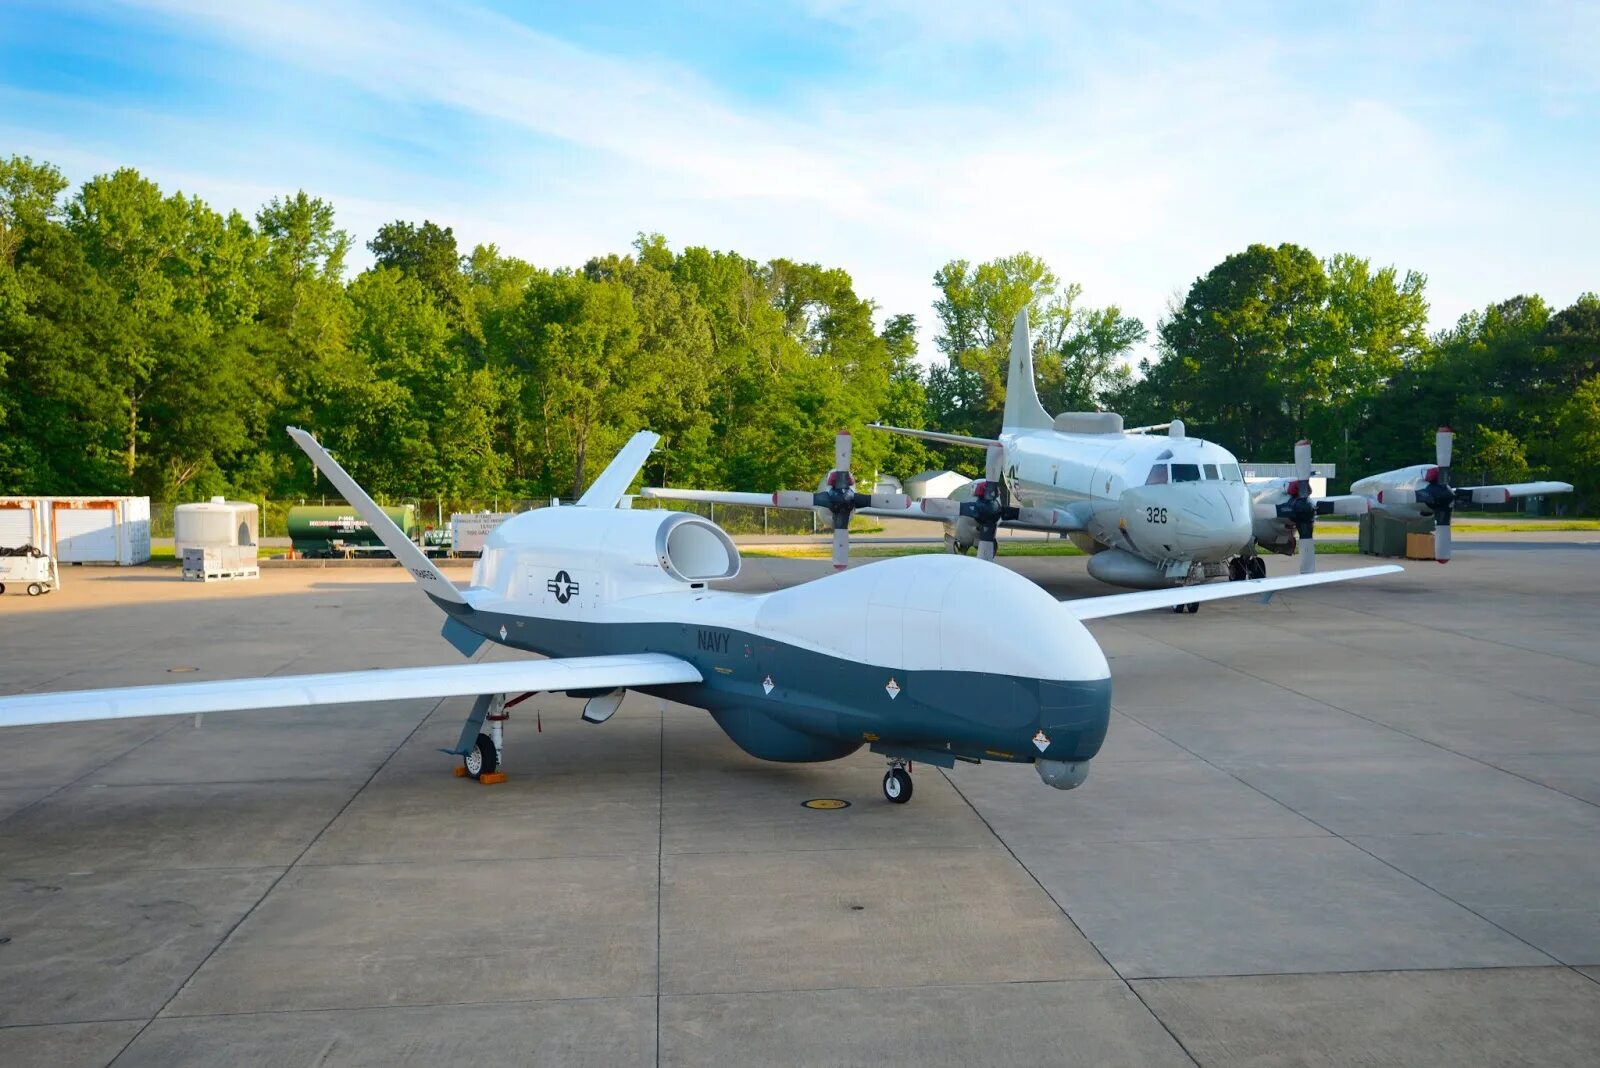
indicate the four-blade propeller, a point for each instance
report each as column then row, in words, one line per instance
column 1301, row 509
column 987, row 508
column 839, row 498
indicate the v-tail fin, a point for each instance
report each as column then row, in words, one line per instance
column 413, row 559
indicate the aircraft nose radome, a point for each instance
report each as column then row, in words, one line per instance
column 1214, row 518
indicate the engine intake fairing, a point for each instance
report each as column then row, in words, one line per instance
column 620, row 552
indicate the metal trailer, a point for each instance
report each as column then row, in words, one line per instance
column 29, row 569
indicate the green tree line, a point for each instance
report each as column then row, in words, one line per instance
column 150, row 343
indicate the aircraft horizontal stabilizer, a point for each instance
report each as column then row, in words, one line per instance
column 753, row 500
column 1121, row 604
column 937, row 435
column 631, row 670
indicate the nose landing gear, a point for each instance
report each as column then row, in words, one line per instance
column 897, row 782
column 482, row 745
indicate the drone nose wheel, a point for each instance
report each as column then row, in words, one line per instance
column 897, row 784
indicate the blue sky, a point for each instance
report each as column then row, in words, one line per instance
column 1132, row 146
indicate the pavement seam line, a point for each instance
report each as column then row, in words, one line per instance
column 1349, row 712
column 1408, row 666
column 1357, row 846
column 1068, row 916
column 228, row 934
column 661, row 850
column 98, row 767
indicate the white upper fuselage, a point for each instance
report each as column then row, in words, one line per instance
column 944, row 613
column 1164, row 498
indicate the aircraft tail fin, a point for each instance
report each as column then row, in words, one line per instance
column 430, row 578
column 607, row 490
column 1023, row 410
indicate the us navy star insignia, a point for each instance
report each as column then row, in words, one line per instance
column 1042, row 740
column 766, row 684
column 502, row 632
column 892, row 688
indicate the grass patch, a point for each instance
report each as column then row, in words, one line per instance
column 169, row 554
column 873, row 552
column 1023, row 548
column 1501, row 527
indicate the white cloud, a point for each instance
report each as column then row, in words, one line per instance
column 1132, row 156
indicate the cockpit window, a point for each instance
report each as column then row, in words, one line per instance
column 1230, row 473
column 1158, row 476
column 1186, row 472
column 1211, row 472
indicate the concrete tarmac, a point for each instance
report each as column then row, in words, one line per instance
column 1356, row 826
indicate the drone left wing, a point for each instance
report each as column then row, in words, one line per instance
column 628, row 670
column 1121, row 604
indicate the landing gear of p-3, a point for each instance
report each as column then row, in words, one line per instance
column 897, row 782
column 1246, row 567
column 1192, row 607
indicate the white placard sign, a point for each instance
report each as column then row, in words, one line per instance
column 469, row 529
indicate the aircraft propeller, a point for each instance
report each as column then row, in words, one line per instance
column 1299, row 509
column 839, row 497
column 989, row 506
column 1438, row 495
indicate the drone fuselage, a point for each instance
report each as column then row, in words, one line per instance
column 902, row 655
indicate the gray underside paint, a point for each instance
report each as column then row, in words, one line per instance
column 823, row 707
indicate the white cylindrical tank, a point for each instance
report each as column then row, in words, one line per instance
column 215, row 524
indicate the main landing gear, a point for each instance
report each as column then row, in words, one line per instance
column 897, row 782
column 1192, row 607
column 1246, row 567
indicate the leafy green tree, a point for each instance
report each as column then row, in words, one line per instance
column 976, row 308
column 428, row 253
column 576, row 339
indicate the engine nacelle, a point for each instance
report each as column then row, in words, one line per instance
column 1121, row 568
column 603, row 553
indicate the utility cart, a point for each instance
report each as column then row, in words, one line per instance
column 28, row 568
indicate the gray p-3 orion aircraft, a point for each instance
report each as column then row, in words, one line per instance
column 892, row 655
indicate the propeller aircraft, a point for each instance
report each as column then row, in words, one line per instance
column 1153, row 511
column 893, row 656
column 1285, row 512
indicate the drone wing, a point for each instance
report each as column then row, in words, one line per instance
column 1121, row 604
column 630, row 670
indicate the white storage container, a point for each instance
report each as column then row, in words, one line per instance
column 216, row 523
column 80, row 530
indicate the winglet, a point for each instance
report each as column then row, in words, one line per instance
column 607, row 490
column 413, row 559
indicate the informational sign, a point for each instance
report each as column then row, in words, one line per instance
column 468, row 530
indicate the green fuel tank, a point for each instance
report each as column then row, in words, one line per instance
column 313, row 528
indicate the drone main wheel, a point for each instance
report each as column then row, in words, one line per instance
column 897, row 785
column 1255, row 568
